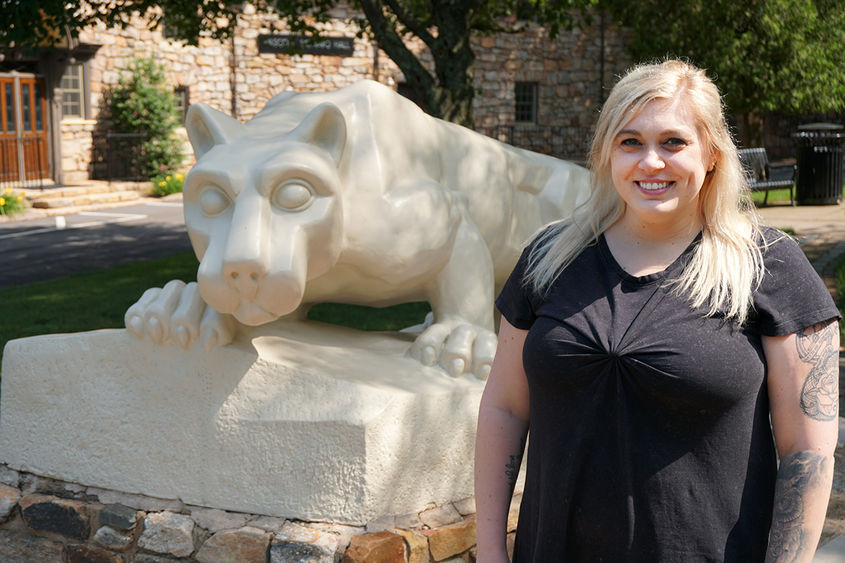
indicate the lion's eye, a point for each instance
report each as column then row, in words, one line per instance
column 293, row 195
column 213, row 201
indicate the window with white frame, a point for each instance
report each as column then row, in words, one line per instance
column 73, row 92
column 525, row 96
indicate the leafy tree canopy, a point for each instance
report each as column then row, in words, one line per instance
column 444, row 26
column 766, row 55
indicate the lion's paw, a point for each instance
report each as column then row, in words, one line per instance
column 177, row 314
column 458, row 348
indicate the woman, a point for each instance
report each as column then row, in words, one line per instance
column 646, row 341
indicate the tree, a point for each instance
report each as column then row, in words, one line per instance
column 141, row 103
column 444, row 27
column 766, row 55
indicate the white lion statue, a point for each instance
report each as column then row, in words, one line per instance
column 354, row 196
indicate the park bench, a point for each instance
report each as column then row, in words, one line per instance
column 764, row 176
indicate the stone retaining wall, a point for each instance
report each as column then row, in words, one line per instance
column 47, row 520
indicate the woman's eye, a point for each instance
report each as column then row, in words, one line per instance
column 213, row 200
column 675, row 142
column 293, row 195
column 630, row 143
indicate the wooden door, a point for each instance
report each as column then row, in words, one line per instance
column 24, row 150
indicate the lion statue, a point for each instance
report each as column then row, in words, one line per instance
column 354, row 196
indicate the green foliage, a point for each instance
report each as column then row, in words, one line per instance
column 766, row 55
column 168, row 184
column 11, row 202
column 359, row 317
column 142, row 103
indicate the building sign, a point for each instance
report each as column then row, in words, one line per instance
column 299, row 44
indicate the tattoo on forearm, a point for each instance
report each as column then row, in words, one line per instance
column 820, row 391
column 798, row 474
column 512, row 466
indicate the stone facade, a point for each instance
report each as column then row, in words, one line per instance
column 235, row 78
column 48, row 520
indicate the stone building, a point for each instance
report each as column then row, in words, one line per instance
column 531, row 91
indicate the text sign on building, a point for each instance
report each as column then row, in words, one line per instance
column 294, row 44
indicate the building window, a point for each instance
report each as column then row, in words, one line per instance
column 183, row 100
column 73, row 92
column 525, row 94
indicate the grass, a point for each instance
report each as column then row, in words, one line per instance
column 99, row 299
column 775, row 196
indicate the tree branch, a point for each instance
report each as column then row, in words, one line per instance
column 408, row 20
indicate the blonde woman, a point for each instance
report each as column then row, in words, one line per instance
column 646, row 342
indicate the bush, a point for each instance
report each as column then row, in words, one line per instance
column 168, row 184
column 141, row 103
column 11, row 202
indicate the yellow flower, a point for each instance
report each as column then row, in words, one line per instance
column 8, row 190
column 2, row 201
column 180, row 176
column 20, row 197
column 162, row 184
column 167, row 178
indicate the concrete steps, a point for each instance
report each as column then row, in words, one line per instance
column 92, row 194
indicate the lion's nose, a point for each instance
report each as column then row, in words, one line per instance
column 245, row 277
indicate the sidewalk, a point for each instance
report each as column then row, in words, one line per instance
column 820, row 230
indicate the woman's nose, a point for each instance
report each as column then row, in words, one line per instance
column 651, row 160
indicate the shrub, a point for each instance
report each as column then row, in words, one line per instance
column 141, row 103
column 11, row 202
column 168, row 184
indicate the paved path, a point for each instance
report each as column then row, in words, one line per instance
column 43, row 247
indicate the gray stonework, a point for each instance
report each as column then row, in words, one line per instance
column 235, row 78
column 94, row 528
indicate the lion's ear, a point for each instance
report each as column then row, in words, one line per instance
column 208, row 127
column 324, row 127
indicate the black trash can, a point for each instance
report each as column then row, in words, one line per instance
column 820, row 157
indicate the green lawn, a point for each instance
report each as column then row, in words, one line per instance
column 99, row 299
column 777, row 196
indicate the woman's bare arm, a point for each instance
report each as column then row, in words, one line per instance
column 500, row 441
column 803, row 382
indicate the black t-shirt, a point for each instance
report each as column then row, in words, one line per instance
column 649, row 429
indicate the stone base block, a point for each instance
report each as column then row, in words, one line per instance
column 299, row 420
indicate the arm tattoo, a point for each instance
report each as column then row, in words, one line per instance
column 797, row 475
column 819, row 393
column 512, row 466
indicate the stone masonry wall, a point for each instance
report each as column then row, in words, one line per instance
column 234, row 78
column 48, row 520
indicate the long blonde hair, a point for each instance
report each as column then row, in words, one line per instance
column 727, row 263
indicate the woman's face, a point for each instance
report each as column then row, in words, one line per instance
column 659, row 163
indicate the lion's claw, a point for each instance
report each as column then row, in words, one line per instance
column 176, row 314
column 458, row 348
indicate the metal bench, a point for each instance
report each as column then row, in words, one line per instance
column 764, row 176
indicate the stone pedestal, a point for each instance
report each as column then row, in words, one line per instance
column 298, row 420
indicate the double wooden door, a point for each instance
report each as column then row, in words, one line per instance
column 23, row 129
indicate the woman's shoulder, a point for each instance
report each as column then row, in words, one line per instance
column 777, row 246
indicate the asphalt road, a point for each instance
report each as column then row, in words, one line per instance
column 48, row 248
